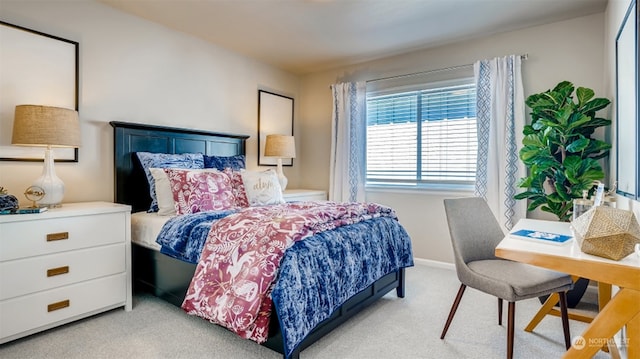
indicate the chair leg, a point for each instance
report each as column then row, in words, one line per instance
column 499, row 311
column 510, row 328
column 454, row 307
column 565, row 319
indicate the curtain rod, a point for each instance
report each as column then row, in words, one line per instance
column 451, row 68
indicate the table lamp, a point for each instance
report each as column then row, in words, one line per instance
column 47, row 126
column 280, row 146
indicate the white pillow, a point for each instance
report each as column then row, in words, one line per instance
column 164, row 195
column 262, row 188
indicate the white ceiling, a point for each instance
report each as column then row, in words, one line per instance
column 303, row 36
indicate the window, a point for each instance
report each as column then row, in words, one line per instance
column 424, row 135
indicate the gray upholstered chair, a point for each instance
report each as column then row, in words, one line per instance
column 475, row 233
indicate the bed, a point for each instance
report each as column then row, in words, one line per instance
column 169, row 278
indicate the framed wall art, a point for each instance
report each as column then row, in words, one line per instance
column 275, row 117
column 36, row 69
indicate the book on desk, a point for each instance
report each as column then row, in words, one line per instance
column 542, row 237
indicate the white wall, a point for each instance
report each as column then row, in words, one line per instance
column 616, row 9
column 569, row 50
column 136, row 71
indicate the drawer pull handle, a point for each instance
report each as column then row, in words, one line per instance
column 57, row 271
column 57, row 236
column 58, row 305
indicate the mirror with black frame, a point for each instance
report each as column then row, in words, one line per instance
column 627, row 100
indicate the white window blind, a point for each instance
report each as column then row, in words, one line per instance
column 422, row 136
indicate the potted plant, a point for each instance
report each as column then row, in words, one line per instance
column 559, row 149
column 561, row 154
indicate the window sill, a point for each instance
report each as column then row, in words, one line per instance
column 432, row 189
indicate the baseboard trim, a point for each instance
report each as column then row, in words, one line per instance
column 435, row 264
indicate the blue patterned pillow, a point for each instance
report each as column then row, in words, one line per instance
column 236, row 162
column 166, row 160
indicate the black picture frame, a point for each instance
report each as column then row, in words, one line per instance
column 627, row 104
column 47, row 73
column 275, row 116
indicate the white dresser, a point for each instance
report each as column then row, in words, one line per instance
column 62, row 265
column 295, row 195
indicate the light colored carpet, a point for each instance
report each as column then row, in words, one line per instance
column 391, row 328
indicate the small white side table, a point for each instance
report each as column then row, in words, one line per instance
column 295, row 195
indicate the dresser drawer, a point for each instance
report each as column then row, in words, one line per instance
column 31, row 238
column 27, row 313
column 28, row 275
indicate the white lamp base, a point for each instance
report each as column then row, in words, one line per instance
column 281, row 177
column 51, row 184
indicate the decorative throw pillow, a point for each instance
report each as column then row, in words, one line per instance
column 262, row 188
column 164, row 196
column 237, row 187
column 166, row 160
column 200, row 190
column 236, row 162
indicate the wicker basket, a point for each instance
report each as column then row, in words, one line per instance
column 607, row 232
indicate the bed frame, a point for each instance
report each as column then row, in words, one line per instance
column 169, row 278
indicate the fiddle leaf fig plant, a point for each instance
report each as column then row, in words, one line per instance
column 559, row 149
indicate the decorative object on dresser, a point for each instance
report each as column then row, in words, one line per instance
column 280, row 146
column 34, row 194
column 50, row 127
column 26, row 210
column 62, row 265
column 7, row 201
column 295, row 195
column 9, row 204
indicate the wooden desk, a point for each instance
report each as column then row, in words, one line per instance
column 623, row 309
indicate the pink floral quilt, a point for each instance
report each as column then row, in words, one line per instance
column 239, row 262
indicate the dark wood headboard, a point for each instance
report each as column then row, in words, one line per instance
column 131, row 186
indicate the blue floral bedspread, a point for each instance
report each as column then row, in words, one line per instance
column 318, row 274
column 183, row 236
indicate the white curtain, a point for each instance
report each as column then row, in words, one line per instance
column 501, row 118
column 348, row 135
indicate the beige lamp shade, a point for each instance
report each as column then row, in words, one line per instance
column 35, row 125
column 607, row 232
column 281, row 146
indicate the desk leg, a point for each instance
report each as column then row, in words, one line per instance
column 622, row 309
column 604, row 296
column 548, row 305
column 633, row 337
column 548, row 308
